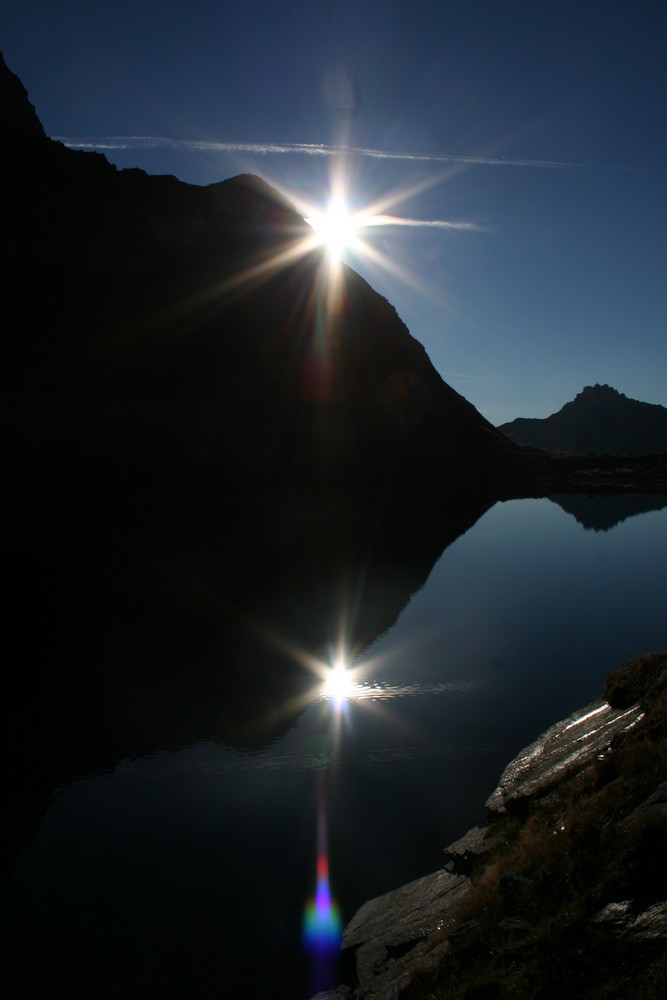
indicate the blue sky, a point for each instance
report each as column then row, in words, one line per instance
column 540, row 126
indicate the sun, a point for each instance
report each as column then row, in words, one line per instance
column 336, row 227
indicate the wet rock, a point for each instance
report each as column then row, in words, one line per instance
column 389, row 932
column 565, row 747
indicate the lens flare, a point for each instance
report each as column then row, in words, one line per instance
column 322, row 924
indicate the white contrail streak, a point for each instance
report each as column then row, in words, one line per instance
column 302, row 149
column 398, row 220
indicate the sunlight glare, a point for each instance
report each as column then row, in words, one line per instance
column 335, row 227
column 339, row 686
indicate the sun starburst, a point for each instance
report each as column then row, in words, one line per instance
column 336, row 227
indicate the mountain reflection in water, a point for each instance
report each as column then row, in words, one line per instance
column 174, row 666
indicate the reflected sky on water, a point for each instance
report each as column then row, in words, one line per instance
column 193, row 869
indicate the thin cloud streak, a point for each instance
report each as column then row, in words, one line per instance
column 304, row 149
column 361, row 222
column 397, row 220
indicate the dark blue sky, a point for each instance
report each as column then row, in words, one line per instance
column 544, row 125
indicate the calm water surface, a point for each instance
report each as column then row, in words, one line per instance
column 189, row 872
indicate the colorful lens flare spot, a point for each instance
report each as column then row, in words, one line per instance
column 322, row 925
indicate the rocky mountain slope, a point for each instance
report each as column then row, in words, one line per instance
column 600, row 420
column 150, row 322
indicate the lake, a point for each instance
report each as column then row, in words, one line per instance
column 187, row 869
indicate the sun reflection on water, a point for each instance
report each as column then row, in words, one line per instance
column 339, row 685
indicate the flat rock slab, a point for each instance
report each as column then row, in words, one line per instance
column 389, row 931
column 406, row 913
column 565, row 747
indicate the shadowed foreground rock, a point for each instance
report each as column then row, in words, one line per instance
column 389, row 932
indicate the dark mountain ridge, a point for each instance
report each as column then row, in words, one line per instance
column 212, row 457
column 154, row 322
column 598, row 420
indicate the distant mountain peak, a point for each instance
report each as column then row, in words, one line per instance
column 600, row 419
column 601, row 387
column 600, row 391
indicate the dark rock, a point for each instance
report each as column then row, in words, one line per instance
column 340, row 993
column 513, row 888
column 636, row 681
column 514, row 925
column 465, row 854
column 651, row 923
column 625, row 918
column 18, row 118
column 389, row 932
column 652, row 811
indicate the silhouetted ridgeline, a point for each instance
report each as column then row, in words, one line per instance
column 159, row 329
column 152, row 324
column 600, row 420
column 204, row 448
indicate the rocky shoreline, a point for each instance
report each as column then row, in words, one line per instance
column 416, row 941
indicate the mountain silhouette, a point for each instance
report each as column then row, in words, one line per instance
column 155, row 324
column 212, row 458
column 602, row 513
column 598, row 420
